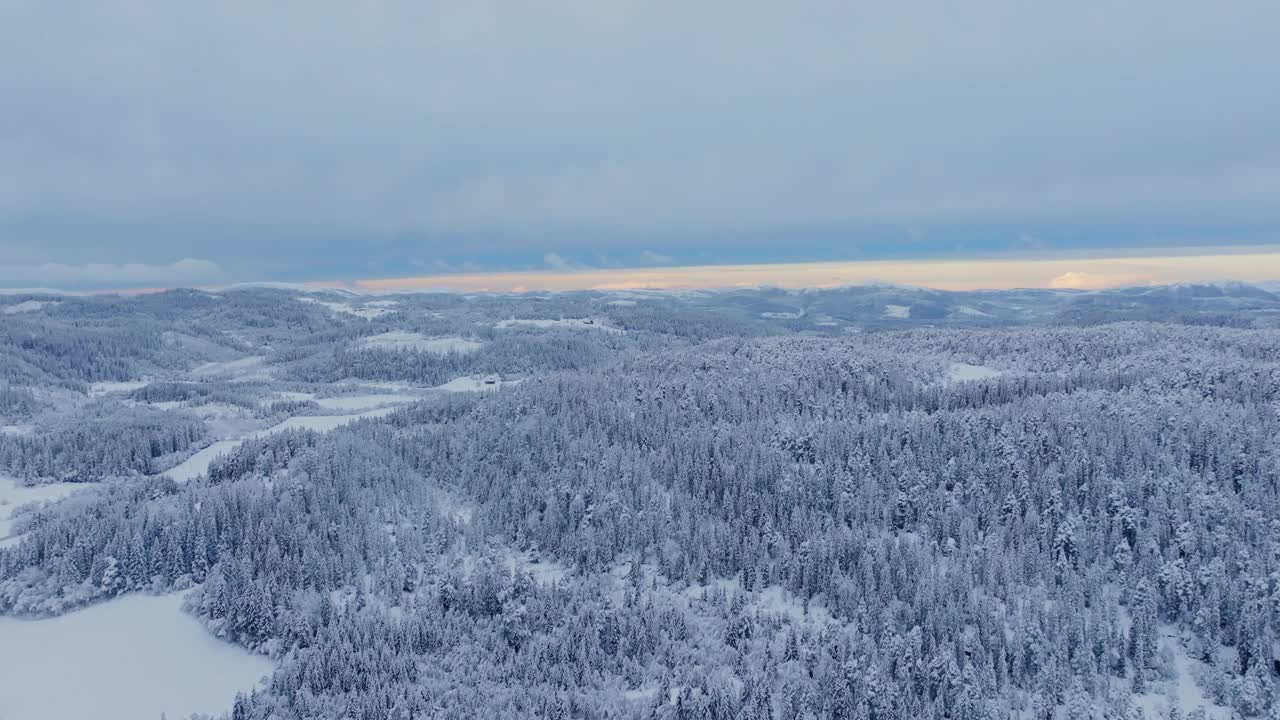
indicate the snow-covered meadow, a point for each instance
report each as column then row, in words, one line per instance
column 137, row 656
column 417, row 342
column 15, row 497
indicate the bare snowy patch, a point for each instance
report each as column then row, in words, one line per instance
column 108, row 387
column 1180, row 687
column 368, row 311
column 242, row 369
column 198, row 464
column 27, row 306
column 961, row 372
column 416, row 342
column 571, row 323
column 774, row 600
column 902, row 312
column 138, row 656
column 362, row 402
column 288, row 396
column 14, row 496
column 162, row 405
column 324, row 423
column 475, row 383
column 543, row 570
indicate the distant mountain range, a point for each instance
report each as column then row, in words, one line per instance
column 887, row 306
column 870, row 307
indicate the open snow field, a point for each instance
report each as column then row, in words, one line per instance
column 417, row 342
column 13, row 496
column 133, row 657
column 970, row 311
column 582, row 323
column 369, row 311
column 25, row 307
column 474, row 383
column 103, row 388
column 368, row 406
column 324, row 423
column 242, row 369
column 198, row 464
column 362, row 402
column 960, row 372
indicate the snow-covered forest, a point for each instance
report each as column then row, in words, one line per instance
column 875, row 502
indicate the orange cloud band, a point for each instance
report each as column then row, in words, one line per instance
column 993, row 274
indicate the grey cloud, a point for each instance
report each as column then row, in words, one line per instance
column 558, row 262
column 555, row 262
column 390, row 117
column 187, row 271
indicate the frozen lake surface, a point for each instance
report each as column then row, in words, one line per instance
column 133, row 657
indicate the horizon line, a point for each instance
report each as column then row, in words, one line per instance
column 1065, row 271
column 1249, row 264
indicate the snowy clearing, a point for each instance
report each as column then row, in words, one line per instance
column 782, row 315
column 323, row 423
column 13, row 496
column 164, row 405
column 287, row 395
column 26, row 307
column 133, row 657
column 246, row 368
column 961, row 372
column 198, row 464
column 362, row 402
column 475, row 383
column 544, row 571
column 576, row 323
column 901, row 312
column 622, row 303
column 773, row 599
column 370, row 310
column 420, row 343
column 971, row 311
column 1182, row 689
column 106, row 387
column 385, row 385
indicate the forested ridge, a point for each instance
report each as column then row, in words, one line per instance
column 774, row 527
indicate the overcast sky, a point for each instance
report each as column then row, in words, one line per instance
column 155, row 143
